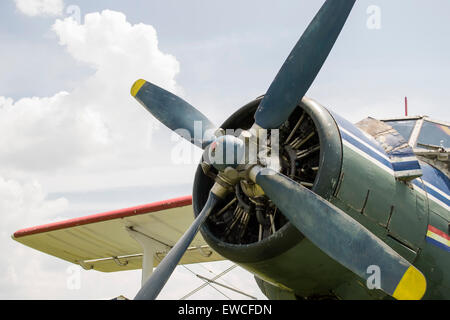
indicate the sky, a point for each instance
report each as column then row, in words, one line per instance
column 74, row 142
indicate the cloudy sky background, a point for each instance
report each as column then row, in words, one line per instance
column 74, row 142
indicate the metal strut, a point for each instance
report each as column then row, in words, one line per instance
column 150, row 247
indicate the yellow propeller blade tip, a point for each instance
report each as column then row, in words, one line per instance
column 137, row 86
column 412, row 286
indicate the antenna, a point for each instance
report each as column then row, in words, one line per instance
column 406, row 106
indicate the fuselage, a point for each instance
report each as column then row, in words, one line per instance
column 410, row 216
column 409, row 213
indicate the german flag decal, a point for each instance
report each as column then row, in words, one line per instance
column 438, row 238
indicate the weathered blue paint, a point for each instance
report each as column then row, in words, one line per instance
column 303, row 64
column 177, row 114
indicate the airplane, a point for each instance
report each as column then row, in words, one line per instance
column 323, row 209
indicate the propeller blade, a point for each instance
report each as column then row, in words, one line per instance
column 303, row 64
column 340, row 236
column 174, row 113
column 162, row 273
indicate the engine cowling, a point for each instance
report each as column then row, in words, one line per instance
column 248, row 228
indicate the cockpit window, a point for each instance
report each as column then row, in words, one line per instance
column 404, row 127
column 434, row 134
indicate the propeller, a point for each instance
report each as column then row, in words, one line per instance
column 162, row 273
column 328, row 227
column 339, row 235
column 175, row 113
column 303, row 64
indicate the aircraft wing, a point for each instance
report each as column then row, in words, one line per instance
column 104, row 242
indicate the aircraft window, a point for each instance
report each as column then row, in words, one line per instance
column 434, row 134
column 404, row 127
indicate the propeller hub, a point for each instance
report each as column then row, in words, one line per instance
column 226, row 151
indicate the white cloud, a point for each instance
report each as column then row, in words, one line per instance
column 25, row 203
column 48, row 133
column 97, row 128
column 94, row 136
column 40, row 7
column 22, row 270
column 117, row 50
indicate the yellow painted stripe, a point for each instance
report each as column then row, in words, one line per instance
column 412, row 286
column 438, row 238
column 137, row 86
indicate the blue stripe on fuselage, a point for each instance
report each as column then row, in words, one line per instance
column 366, row 150
column 430, row 175
column 350, row 127
column 432, row 192
column 439, row 244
